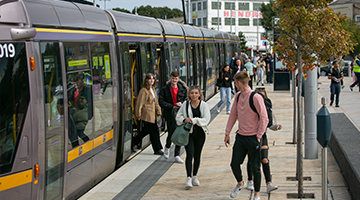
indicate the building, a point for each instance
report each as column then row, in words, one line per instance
column 350, row 8
column 234, row 16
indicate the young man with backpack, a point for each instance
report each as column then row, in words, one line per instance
column 264, row 148
column 249, row 133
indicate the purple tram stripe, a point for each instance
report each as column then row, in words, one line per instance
column 140, row 39
column 71, row 36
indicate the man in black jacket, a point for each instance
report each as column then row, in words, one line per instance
column 170, row 99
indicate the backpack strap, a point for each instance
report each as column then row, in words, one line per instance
column 251, row 102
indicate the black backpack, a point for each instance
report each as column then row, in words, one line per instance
column 268, row 106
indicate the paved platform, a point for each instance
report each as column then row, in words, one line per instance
column 147, row 176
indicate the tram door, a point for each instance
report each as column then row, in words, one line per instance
column 54, row 120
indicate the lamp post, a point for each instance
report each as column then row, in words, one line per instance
column 218, row 16
column 104, row 3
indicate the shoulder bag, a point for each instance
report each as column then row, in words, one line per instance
column 180, row 136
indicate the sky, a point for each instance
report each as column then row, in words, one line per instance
column 130, row 4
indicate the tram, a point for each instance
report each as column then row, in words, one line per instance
column 69, row 77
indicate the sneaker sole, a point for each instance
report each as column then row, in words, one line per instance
column 272, row 190
column 188, row 187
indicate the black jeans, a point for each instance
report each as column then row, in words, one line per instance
column 193, row 150
column 266, row 166
column 171, row 126
column 153, row 130
column 246, row 145
column 335, row 90
column 356, row 82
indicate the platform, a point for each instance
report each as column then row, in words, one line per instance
column 148, row 176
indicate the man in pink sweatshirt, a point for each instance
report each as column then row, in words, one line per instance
column 251, row 127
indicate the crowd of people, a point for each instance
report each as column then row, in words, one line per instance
column 181, row 104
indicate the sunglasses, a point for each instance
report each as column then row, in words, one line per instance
column 194, row 86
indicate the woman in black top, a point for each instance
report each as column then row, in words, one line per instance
column 226, row 88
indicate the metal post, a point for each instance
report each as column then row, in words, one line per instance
column 190, row 17
column 324, row 174
column 218, row 16
column 231, row 18
column 257, row 34
column 311, row 103
column 95, row 3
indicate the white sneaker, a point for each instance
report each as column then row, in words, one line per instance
column 236, row 190
column 166, row 152
column 178, row 159
column 218, row 110
column 271, row 187
column 188, row 183
column 256, row 198
column 195, row 181
column 228, row 112
column 250, row 185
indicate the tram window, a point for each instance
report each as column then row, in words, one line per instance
column 76, row 56
column 80, row 107
column 102, row 87
column 178, row 59
column 209, row 55
column 14, row 100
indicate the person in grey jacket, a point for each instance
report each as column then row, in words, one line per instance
column 199, row 116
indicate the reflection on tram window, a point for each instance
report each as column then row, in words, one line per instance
column 178, row 59
column 76, row 55
column 102, row 87
column 80, row 107
column 14, row 101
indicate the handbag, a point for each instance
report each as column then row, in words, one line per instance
column 180, row 136
column 220, row 82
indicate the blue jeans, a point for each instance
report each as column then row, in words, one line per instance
column 335, row 90
column 223, row 91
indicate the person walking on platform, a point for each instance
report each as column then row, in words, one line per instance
column 336, row 76
column 265, row 147
column 270, row 68
column 239, row 66
column 250, row 68
column 197, row 113
column 147, row 110
column 260, row 67
column 171, row 97
column 226, row 88
column 356, row 70
column 249, row 133
column 341, row 63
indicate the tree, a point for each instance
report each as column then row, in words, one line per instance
column 268, row 14
column 242, row 40
column 158, row 12
column 353, row 28
column 309, row 31
column 121, row 10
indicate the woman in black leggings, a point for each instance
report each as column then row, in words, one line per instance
column 199, row 116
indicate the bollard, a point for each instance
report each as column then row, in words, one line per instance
column 323, row 121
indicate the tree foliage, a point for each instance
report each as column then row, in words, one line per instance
column 268, row 14
column 158, row 12
column 242, row 40
column 121, row 10
column 351, row 27
column 311, row 27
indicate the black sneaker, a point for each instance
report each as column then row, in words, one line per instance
column 159, row 153
column 351, row 88
column 331, row 103
column 337, row 105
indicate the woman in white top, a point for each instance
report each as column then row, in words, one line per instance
column 199, row 116
column 260, row 67
column 147, row 109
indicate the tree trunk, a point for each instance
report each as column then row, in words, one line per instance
column 300, row 124
column 294, row 105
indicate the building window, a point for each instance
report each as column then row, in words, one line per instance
column 194, row 21
column 205, row 22
column 257, row 6
column 214, row 21
column 227, row 21
column 199, row 22
column 194, row 7
column 229, row 6
column 199, row 5
column 204, row 5
column 214, row 5
column 243, row 6
column 255, row 22
column 357, row 18
column 244, row 22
